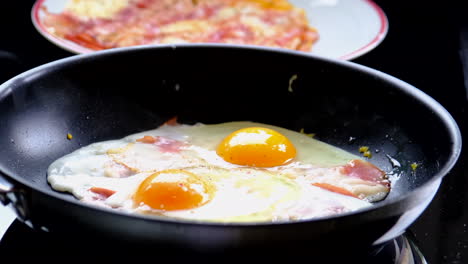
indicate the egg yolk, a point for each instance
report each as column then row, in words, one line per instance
column 273, row 4
column 256, row 146
column 173, row 190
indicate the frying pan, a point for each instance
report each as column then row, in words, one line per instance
column 110, row 94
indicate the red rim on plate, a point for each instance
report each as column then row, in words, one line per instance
column 65, row 44
column 377, row 39
column 75, row 48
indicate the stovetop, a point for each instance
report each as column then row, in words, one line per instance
column 426, row 46
column 43, row 246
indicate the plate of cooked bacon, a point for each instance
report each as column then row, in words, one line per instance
column 343, row 29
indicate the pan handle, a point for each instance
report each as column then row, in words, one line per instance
column 15, row 197
column 19, row 199
column 6, row 187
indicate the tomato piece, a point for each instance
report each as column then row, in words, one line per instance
column 172, row 121
column 147, row 139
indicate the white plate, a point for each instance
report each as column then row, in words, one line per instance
column 347, row 28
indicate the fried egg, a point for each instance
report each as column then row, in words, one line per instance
column 228, row 172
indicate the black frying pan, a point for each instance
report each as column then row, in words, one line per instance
column 110, row 94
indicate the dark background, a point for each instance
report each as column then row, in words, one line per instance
column 426, row 46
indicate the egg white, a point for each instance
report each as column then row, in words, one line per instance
column 242, row 194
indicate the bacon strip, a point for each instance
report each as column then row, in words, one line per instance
column 335, row 189
column 105, row 193
column 85, row 40
column 365, row 171
column 164, row 144
column 160, row 21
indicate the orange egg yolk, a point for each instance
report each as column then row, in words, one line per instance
column 171, row 190
column 273, row 4
column 256, row 146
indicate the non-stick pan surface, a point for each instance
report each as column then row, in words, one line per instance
column 110, row 94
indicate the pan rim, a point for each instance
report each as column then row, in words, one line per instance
column 447, row 119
